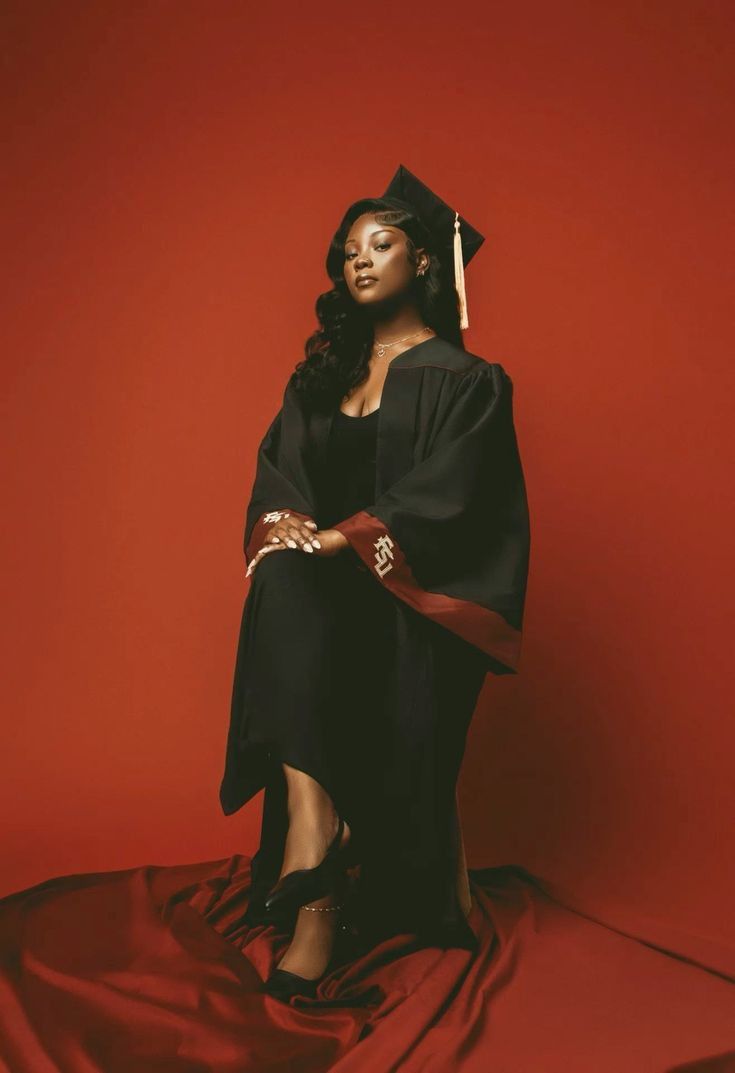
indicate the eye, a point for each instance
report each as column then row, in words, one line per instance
column 380, row 246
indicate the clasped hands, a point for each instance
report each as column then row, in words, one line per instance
column 292, row 532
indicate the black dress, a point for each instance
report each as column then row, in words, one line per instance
column 308, row 691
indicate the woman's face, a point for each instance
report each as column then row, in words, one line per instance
column 380, row 255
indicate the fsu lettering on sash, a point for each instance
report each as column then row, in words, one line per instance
column 275, row 516
column 383, row 554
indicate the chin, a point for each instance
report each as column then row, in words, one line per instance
column 384, row 298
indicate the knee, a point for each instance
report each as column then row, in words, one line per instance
column 287, row 567
column 289, row 584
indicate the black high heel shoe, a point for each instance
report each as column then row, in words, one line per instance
column 307, row 884
column 257, row 914
column 263, row 875
column 282, row 984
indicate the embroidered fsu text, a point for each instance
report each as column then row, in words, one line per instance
column 383, row 554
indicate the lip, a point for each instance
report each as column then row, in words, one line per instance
column 365, row 281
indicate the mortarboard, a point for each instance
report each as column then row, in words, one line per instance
column 443, row 222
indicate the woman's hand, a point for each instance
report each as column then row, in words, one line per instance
column 332, row 542
column 291, row 532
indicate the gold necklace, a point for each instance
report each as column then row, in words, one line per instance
column 382, row 347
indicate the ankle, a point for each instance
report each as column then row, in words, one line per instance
column 326, row 908
column 314, row 816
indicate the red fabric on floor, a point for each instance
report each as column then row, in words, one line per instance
column 149, row 970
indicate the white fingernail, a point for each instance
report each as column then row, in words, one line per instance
column 308, row 547
column 291, row 543
column 316, row 543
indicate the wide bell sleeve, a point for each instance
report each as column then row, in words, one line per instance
column 273, row 494
column 451, row 537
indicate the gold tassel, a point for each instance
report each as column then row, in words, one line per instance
column 459, row 275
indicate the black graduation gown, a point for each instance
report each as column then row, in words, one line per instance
column 434, row 582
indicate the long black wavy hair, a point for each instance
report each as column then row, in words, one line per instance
column 337, row 353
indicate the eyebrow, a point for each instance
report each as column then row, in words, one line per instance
column 391, row 229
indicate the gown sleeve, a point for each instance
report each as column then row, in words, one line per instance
column 273, row 494
column 451, row 537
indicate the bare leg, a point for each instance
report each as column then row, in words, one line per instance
column 313, row 824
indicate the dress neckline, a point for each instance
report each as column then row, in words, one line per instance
column 407, row 353
column 358, row 417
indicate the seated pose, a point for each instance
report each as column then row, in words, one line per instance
column 387, row 539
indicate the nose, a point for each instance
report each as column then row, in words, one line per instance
column 362, row 261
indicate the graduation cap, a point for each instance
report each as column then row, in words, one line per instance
column 445, row 224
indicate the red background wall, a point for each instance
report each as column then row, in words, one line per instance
column 173, row 176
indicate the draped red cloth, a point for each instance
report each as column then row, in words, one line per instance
column 150, row 970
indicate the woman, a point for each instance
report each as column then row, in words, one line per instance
column 387, row 539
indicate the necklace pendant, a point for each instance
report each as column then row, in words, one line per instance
column 381, row 351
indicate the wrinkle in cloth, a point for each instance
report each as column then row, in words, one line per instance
column 152, row 969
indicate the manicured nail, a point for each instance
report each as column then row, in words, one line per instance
column 308, row 547
column 291, row 543
column 316, row 543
